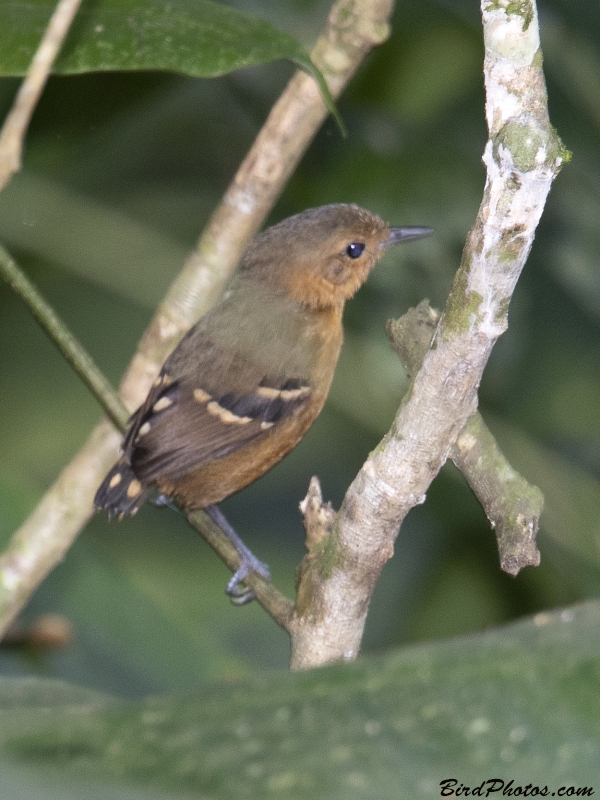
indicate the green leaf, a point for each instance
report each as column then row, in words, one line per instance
column 194, row 37
column 520, row 703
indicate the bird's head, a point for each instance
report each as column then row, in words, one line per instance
column 322, row 256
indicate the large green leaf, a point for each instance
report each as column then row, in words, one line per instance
column 521, row 703
column 195, row 37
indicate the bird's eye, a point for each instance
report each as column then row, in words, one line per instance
column 355, row 249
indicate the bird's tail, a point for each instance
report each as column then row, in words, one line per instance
column 121, row 493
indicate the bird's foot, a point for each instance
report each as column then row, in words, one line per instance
column 239, row 593
column 164, row 501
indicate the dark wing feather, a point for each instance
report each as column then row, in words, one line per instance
column 121, row 493
column 182, row 427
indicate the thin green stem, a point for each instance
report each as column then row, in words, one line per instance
column 62, row 337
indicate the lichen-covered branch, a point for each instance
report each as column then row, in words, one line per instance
column 354, row 27
column 512, row 505
column 522, row 157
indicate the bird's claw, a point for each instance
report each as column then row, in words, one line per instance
column 164, row 501
column 236, row 589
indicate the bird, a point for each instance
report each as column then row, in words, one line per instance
column 247, row 381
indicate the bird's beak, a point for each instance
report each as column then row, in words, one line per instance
column 398, row 235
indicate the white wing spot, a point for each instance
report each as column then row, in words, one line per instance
column 161, row 404
column 294, row 394
column 134, row 488
column 284, row 394
column 225, row 415
column 268, row 391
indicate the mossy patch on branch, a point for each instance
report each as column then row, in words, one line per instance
column 516, row 8
column 531, row 146
column 462, row 306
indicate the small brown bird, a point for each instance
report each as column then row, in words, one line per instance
column 248, row 380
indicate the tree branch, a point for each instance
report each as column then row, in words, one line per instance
column 16, row 123
column 354, row 27
column 512, row 505
column 522, row 157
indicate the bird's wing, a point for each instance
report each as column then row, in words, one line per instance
column 187, row 423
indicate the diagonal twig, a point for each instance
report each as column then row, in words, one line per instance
column 16, row 123
column 73, row 352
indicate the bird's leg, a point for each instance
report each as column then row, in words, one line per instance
column 248, row 564
column 249, row 561
column 162, row 501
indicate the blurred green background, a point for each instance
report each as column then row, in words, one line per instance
column 121, row 173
